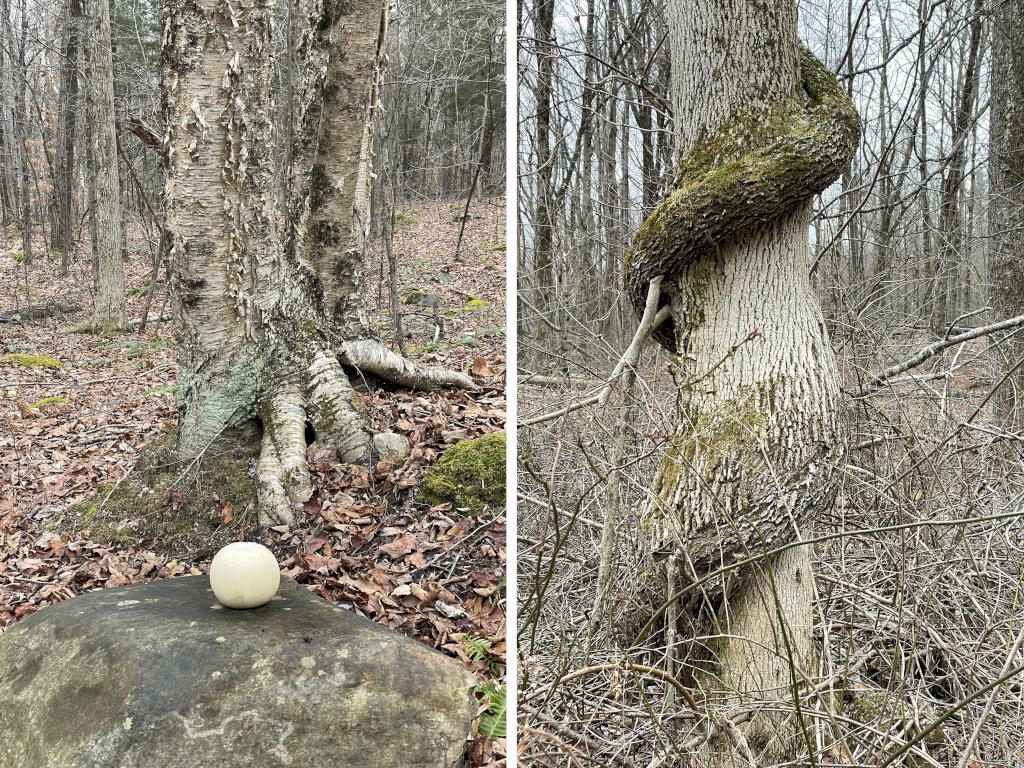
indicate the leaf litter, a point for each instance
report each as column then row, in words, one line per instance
column 365, row 543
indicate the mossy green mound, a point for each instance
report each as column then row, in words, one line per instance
column 469, row 474
column 30, row 361
column 176, row 507
column 475, row 305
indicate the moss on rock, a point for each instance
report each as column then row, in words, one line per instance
column 469, row 474
column 177, row 507
column 475, row 305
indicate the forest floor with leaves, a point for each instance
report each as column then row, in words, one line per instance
column 76, row 409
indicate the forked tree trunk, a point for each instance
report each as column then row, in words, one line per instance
column 331, row 157
column 758, row 381
column 108, row 314
column 258, row 323
column 331, row 183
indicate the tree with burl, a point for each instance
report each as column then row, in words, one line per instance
column 761, row 127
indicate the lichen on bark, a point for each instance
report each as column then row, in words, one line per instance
column 262, row 309
column 177, row 506
column 719, row 189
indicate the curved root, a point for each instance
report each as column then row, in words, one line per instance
column 313, row 394
column 369, row 356
column 327, row 404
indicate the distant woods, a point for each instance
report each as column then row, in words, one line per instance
column 919, row 230
column 440, row 133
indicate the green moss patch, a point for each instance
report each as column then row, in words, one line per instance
column 475, row 305
column 421, row 298
column 402, row 218
column 469, row 474
column 175, row 507
column 30, row 361
column 47, row 401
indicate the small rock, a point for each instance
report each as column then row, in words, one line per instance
column 390, row 442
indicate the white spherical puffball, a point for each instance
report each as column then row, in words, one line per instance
column 244, row 574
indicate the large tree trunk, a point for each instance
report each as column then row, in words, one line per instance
column 951, row 228
column 1006, row 163
column 330, row 182
column 331, row 161
column 252, row 348
column 64, row 183
column 752, row 454
column 259, row 322
column 108, row 314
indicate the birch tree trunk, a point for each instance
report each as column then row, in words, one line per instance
column 260, row 314
column 758, row 429
column 330, row 182
column 108, row 313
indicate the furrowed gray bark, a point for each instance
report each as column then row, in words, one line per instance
column 1006, row 164
column 757, row 434
column 63, row 194
column 108, row 312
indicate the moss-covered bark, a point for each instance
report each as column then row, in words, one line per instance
column 757, row 437
column 722, row 188
column 177, row 506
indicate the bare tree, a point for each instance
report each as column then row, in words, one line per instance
column 64, row 181
column 108, row 254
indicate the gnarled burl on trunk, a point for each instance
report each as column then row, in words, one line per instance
column 761, row 127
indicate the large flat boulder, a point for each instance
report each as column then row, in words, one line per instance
column 160, row 674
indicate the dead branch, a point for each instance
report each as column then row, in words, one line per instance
column 935, row 347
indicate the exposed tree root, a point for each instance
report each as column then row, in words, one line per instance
column 370, row 356
column 314, row 395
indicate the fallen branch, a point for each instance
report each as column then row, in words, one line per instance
column 149, row 137
column 643, row 669
column 41, row 310
column 935, row 347
column 164, row 318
